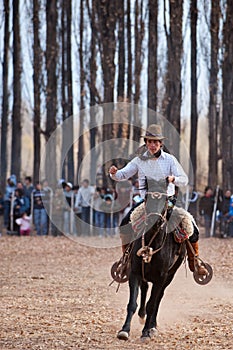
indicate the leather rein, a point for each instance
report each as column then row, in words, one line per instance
column 147, row 252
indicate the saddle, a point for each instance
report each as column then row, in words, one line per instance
column 180, row 223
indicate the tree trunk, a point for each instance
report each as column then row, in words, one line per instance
column 173, row 82
column 67, row 98
column 107, row 16
column 51, row 90
column 227, row 98
column 194, row 116
column 64, row 90
column 70, row 90
column 93, row 97
column 37, row 61
column 82, row 80
column 16, row 115
column 129, row 52
column 5, row 101
column 152, row 58
column 121, row 52
column 213, row 103
column 139, row 34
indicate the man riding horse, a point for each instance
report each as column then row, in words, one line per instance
column 157, row 164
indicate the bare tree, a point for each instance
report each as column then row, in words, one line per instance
column 37, row 62
column 129, row 52
column 51, row 89
column 139, row 35
column 93, row 92
column 173, row 78
column 213, row 87
column 16, row 115
column 67, row 94
column 194, row 115
column 227, row 98
column 82, row 82
column 152, row 58
column 5, row 101
column 121, row 52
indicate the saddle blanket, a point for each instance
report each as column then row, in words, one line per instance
column 180, row 223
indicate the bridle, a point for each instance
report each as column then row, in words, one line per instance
column 146, row 251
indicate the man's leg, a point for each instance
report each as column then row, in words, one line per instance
column 126, row 231
column 191, row 258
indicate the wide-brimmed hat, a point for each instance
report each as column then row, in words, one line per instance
column 154, row 132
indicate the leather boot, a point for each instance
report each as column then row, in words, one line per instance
column 195, row 263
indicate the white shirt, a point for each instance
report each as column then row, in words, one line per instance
column 84, row 196
column 154, row 168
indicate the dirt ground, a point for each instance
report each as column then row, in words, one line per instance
column 55, row 294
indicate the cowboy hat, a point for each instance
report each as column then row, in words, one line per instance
column 154, row 132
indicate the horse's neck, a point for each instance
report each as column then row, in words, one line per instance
column 156, row 233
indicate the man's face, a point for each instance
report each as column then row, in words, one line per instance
column 85, row 184
column 153, row 146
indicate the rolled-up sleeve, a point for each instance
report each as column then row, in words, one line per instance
column 181, row 179
column 125, row 173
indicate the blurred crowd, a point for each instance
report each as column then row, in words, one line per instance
column 217, row 212
column 27, row 208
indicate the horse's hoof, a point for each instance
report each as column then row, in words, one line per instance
column 153, row 332
column 145, row 338
column 123, row 335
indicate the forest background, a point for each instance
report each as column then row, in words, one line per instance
column 59, row 58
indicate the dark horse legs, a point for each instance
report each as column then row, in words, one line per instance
column 152, row 306
column 131, row 307
column 144, row 288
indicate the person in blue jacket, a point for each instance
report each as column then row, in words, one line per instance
column 9, row 191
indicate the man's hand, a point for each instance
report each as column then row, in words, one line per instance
column 170, row 178
column 113, row 169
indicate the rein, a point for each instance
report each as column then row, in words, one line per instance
column 146, row 252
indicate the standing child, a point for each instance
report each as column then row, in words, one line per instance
column 24, row 223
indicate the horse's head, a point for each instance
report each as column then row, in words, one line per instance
column 156, row 198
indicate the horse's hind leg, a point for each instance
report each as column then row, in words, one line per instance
column 131, row 307
column 142, row 310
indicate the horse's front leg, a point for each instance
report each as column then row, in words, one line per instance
column 123, row 334
column 153, row 320
column 142, row 309
column 152, row 307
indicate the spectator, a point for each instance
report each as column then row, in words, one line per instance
column 136, row 190
column 21, row 205
column 99, row 215
column 28, row 187
column 67, row 209
column 84, row 198
column 40, row 215
column 111, row 209
column 206, row 206
column 231, row 217
column 224, row 208
column 47, row 200
column 77, row 212
column 9, row 191
column 20, row 186
column 24, row 224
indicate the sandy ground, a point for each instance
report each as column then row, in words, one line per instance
column 55, row 294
